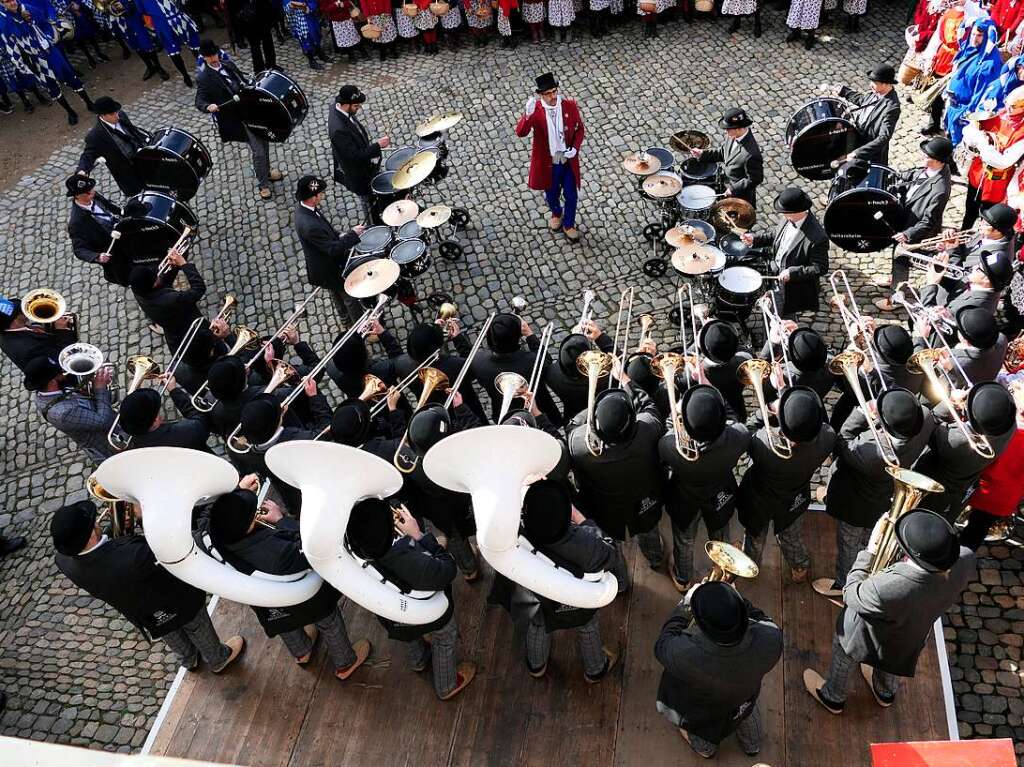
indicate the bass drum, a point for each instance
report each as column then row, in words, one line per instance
column 173, row 161
column 273, row 106
column 862, row 217
column 818, row 133
column 153, row 221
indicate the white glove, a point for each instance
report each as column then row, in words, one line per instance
column 570, row 153
column 530, row 104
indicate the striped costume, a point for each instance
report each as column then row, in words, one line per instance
column 36, row 55
column 174, row 28
column 304, row 23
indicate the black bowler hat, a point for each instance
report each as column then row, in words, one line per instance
column 718, row 341
column 260, row 419
column 231, row 516
column 208, row 47
column 39, row 372
column 78, row 184
column 519, row 417
column 138, row 411
column 72, row 526
column 938, row 148
column 720, row 613
column 423, row 341
column 614, row 416
column 352, row 356
column 929, row 540
column 428, row 426
column 546, row 82
column 801, row 413
column 806, row 350
column 638, row 368
column 998, row 268
column 309, row 186
column 350, row 424
column 105, row 105
column 202, row 347
column 572, row 346
column 371, row 528
column 900, row 412
column 991, row 409
column 893, row 343
column 977, row 326
column 703, row 412
column 547, row 510
column 1001, row 217
column 226, row 378
column 505, row 332
column 142, row 279
column 883, row 73
column 792, row 199
column 736, row 117
column 350, row 94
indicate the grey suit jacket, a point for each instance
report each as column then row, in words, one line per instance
column 934, row 295
column 876, row 123
column 888, row 615
column 925, row 202
column 807, row 259
column 742, row 166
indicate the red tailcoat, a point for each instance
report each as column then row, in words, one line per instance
column 540, row 154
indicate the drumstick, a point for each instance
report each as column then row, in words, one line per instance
column 229, row 102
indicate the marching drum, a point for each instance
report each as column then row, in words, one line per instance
column 819, row 132
column 739, row 287
column 153, row 222
column 863, row 217
column 695, row 201
column 173, row 161
column 273, row 106
column 412, row 256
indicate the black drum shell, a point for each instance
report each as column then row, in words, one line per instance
column 173, row 161
column 412, row 256
column 384, row 193
column 820, row 132
column 665, row 157
column 146, row 236
column 850, row 214
column 273, row 106
column 399, row 157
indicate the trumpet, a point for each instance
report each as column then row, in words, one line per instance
column 961, row 237
column 908, row 298
column 754, row 373
column 910, row 488
column 373, row 387
column 924, row 263
column 181, row 246
column 121, row 512
column 586, row 314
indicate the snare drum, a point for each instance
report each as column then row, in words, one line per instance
column 863, row 217
column 374, row 241
column 739, row 287
column 697, row 171
column 410, row 230
column 412, row 257
column 695, row 201
column 819, row 132
column 704, row 226
column 273, row 106
column 665, row 156
column 173, row 161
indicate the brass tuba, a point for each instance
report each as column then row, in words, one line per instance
column 911, row 487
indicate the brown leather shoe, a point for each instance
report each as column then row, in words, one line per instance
column 881, row 281
column 813, row 682
column 463, row 676
column 314, row 636
column 555, row 223
column 798, row 574
column 612, row 657
column 265, row 193
column 156, row 328
column 362, row 648
column 237, row 646
column 572, row 234
column 276, row 175
column 884, row 305
column 681, row 586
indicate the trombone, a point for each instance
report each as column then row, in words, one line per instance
column 853, row 321
column 239, row 444
column 140, row 368
column 181, row 246
column 848, row 364
column 666, row 366
column 646, row 324
column 622, row 327
column 771, row 317
column 586, row 314
column 754, row 372
column 445, row 313
column 910, row 300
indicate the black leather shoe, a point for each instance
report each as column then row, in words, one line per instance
column 12, row 544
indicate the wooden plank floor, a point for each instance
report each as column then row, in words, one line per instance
column 268, row 712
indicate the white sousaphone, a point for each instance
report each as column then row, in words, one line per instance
column 167, row 482
column 332, row 479
column 494, row 464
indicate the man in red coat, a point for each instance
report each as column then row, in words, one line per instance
column 554, row 160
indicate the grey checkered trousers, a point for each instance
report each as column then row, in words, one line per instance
column 588, row 639
column 835, row 687
column 198, row 638
column 332, row 629
column 440, row 654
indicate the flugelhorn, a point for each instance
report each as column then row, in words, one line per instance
column 910, row 488
column 754, row 373
column 181, row 246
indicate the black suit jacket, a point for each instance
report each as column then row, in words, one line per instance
column 213, row 88
column 356, row 156
column 924, row 201
column 25, row 344
column 807, row 259
column 174, row 310
column 573, row 388
column 876, row 123
column 742, row 166
column 487, row 364
column 90, row 238
column 326, row 251
column 450, row 365
column 117, row 151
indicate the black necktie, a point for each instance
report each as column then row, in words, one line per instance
column 361, row 129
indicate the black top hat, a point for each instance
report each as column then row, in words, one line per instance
column 998, row 268
column 1001, row 217
column 893, row 343
column 423, row 341
column 718, row 341
column 720, row 612
column 504, row 333
column 572, row 346
column 806, row 350
column 428, row 426
column 260, row 419
column 929, row 540
column 547, row 510
column 350, row 424
column 883, row 73
column 614, row 416
column 231, row 516
column 546, row 82
column 78, row 184
column 702, row 409
column 227, row 378
column 938, row 148
column 208, row 47
column 991, row 409
column 371, row 531
column 801, row 413
column 309, row 186
column 71, row 527
column 39, row 372
column 977, row 326
column 105, row 105
column 900, row 412
column 792, row 199
column 138, row 411
column 736, row 117
column 350, row 94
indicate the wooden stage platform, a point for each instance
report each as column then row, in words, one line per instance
column 268, row 711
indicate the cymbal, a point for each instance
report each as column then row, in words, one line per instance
column 419, row 166
column 372, row 278
column 642, row 164
column 434, row 217
column 693, row 259
column 661, row 187
column 400, row 212
column 681, row 236
column 732, row 214
column 438, row 122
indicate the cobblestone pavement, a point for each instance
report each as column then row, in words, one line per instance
column 75, row 672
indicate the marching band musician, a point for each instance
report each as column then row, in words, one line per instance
column 807, row 354
column 859, row 487
column 124, row 573
column 262, row 370
column 228, row 382
column 720, row 359
column 776, row 490
column 114, row 139
column 352, row 361
column 565, row 378
column 875, row 114
column 217, row 83
column 204, row 349
column 740, row 156
column 950, row 458
column 172, row 311
column 561, row 533
column 413, row 560
column 799, row 252
column 925, row 192
column 85, row 419
column 356, row 157
column 888, row 615
column 23, row 341
column 621, row 488
column 92, row 219
column 716, row 648
column 253, row 538
column 980, row 348
column 141, row 419
column 704, row 488
column 1000, row 147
